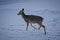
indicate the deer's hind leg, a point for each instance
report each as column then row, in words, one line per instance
column 41, row 25
column 44, row 28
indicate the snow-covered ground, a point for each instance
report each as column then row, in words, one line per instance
column 12, row 26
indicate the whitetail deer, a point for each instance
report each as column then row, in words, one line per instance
column 32, row 19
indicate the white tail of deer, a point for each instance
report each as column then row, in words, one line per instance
column 32, row 19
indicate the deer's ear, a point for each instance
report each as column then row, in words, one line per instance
column 22, row 9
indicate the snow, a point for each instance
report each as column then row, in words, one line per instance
column 13, row 27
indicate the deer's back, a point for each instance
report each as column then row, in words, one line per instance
column 33, row 18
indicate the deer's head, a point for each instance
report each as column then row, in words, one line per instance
column 21, row 11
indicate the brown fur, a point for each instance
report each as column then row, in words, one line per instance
column 32, row 19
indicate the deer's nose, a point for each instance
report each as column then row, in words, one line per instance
column 17, row 14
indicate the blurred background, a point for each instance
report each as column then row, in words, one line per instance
column 12, row 26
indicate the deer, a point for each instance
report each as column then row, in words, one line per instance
column 30, row 19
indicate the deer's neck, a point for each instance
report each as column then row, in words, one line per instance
column 24, row 16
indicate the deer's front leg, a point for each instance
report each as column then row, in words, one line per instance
column 32, row 26
column 27, row 26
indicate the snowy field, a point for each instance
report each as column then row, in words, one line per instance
column 12, row 26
